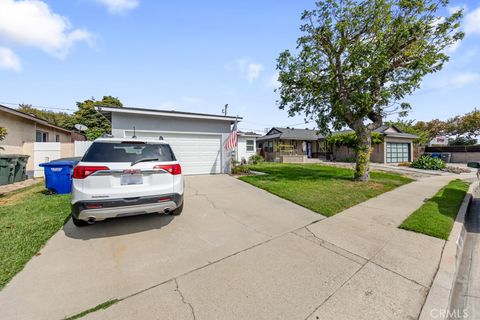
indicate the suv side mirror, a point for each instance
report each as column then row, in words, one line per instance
column 475, row 164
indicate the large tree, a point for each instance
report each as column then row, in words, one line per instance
column 96, row 123
column 357, row 60
column 465, row 126
column 61, row 119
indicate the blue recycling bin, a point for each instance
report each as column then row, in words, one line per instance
column 58, row 176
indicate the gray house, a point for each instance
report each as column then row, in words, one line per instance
column 196, row 138
column 397, row 147
column 288, row 142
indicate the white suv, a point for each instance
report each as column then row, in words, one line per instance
column 125, row 177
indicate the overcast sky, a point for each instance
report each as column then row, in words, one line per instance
column 186, row 55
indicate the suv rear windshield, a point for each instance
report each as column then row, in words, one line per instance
column 127, row 152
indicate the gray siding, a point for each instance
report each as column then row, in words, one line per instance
column 121, row 122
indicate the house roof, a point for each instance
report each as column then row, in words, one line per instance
column 107, row 111
column 312, row 134
column 248, row 134
column 291, row 134
column 31, row 117
column 395, row 133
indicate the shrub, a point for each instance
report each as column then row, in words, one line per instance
column 428, row 163
column 241, row 169
column 3, row 134
column 255, row 159
column 349, row 139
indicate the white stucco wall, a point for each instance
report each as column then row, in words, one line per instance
column 122, row 122
column 242, row 148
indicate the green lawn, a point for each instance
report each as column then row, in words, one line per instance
column 323, row 189
column 28, row 218
column 435, row 218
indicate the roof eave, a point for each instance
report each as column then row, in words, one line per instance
column 175, row 114
column 35, row 119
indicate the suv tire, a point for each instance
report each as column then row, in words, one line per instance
column 79, row 223
column 177, row 211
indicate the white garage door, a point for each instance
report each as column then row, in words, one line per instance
column 198, row 154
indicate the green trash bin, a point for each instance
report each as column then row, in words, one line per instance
column 21, row 168
column 7, row 168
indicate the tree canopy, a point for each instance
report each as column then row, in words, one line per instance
column 86, row 114
column 357, row 60
column 462, row 141
column 96, row 123
column 61, row 119
column 461, row 129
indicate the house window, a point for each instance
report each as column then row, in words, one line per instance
column 250, row 145
column 41, row 136
column 270, row 146
column 57, row 138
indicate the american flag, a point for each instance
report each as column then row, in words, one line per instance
column 231, row 142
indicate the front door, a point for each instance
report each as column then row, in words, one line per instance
column 309, row 149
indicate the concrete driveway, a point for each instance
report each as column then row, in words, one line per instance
column 237, row 252
column 80, row 268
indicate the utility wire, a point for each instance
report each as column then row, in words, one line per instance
column 36, row 106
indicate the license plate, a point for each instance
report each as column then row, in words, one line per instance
column 131, row 179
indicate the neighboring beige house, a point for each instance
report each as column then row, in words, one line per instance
column 397, row 147
column 299, row 145
column 25, row 130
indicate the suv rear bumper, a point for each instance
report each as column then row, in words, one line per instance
column 112, row 208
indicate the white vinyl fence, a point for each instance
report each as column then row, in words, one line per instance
column 81, row 147
column 44, row 152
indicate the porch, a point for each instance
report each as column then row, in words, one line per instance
column 293, row 151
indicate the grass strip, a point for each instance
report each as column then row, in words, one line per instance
column 324, row 189
column 28, row 218
column 101, row 306
column 436, row 216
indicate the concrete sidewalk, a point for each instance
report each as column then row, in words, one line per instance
column 355, row 265
column 18, row 185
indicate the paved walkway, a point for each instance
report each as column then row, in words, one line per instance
column 18, row 185
column 237, row 253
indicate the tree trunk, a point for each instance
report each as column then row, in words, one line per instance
column 363, row 151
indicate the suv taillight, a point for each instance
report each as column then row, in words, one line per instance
column 171, row 168
column 81, row 172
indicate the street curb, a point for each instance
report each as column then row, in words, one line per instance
column 439, row 297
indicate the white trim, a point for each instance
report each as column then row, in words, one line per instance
column 168, row 114
column 179, row 132
column 249, row 135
